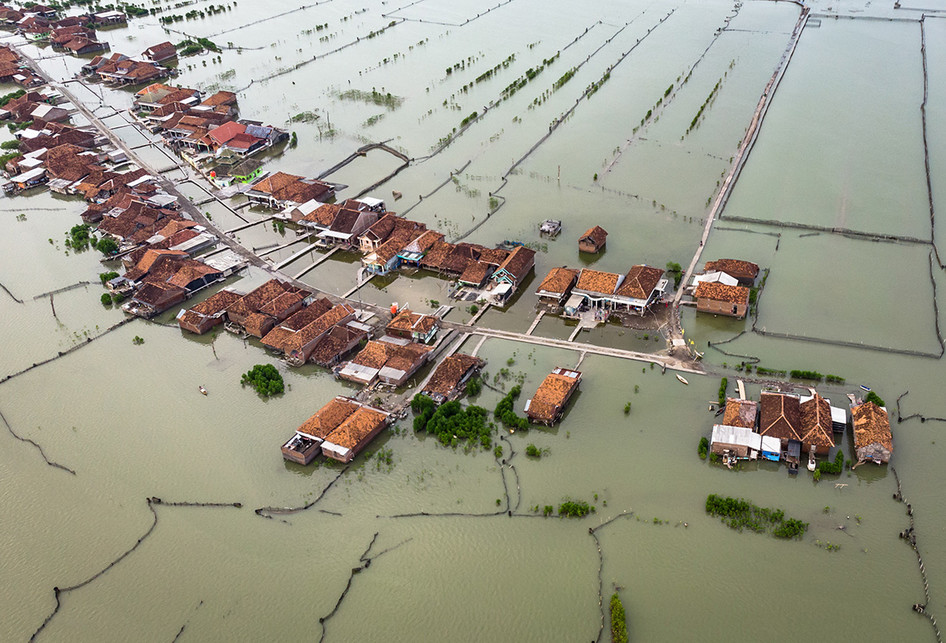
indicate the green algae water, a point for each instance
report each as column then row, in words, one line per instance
column 451, row 544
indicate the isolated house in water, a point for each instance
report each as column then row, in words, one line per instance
column 873, row 440
column 721, row 299
column 557, row 285
column 548, row 404
column 816, row 429
column 593, row 240
column 744, row 271
column 450, row 376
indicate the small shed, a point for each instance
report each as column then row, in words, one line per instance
column 872, row 437
column 771, row 448
column 593, row 240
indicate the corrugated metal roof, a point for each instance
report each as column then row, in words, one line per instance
column 737, row 435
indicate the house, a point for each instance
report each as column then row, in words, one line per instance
column 131, row 72
column 154, row 298
column 109, row 18
column 817, row 433
column 391, row 360
column 299, row 346
column 714, row 277
column 548, row 403
column 248, row 311
column 510, row 274
column 741, row 413
column 595, row 289
column 780, row 417
column 347, row 226
column 80, row 46
column 279, row 190
column 719, row 299
column 413, row 326
column 451, row 375
column 355, row 433
column 873, row 440
column 414, row 252
column 745, row 271
column 208, row 313
column 157, row 94
column 736, row 441
column 557, row 285
column 49, row 113
column 340, row 340
column 593, row 240
column 388, row 255
column 641, row 287
column 160, row 52
column 306, row 444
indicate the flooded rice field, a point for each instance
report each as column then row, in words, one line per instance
column 159, row 513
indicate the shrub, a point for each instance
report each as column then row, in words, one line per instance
column 474, row 386
column 723, row 385
column 138, row 341
column 533, row 451
column 873, row 397
column 740, row 514
column 835, row 467
column 575, row 508
column 451, row 423
column 106, row 299
column 117, row 298
column 806, row 375
column 265, row 379
column 504, row 410
column 107, row 246
column 627, row 408
column 498, row 451
column 618, row 620
column 703, row 449
column 816, row 474
column 106, row 277
column 834, row 378
column 548, row 510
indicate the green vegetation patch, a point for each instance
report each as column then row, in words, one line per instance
column 451, row 423
column 265, row 379
column 873, row 397
column 618, row 620
column 741, row 514
column 388, row 100
column 575, row 508
column 504, row 410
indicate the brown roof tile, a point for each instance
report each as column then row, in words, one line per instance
column 596, row 235
column 780, row 416
column 595, row 281
column 871, row 424
column 734, row 267
column 328, row 418
column 216, row 303
column 640, row 282
column 742, row 413
column 546, row 405
column 449, row 372
column 558, row 281
column 816, row 422
column 721, row 292
column 357, row 427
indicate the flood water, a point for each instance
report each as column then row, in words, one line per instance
column 458, row 546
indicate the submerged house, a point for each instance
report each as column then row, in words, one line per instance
column 873, row 440
column 548, row 404
column 340, row 430
column 780, row 417
column 208, row 313
column 414, row 326
column 510, row 274
column 593, row 240
column 741, row 413
column 744, row 271
column 451, row 375
column 390, row 360
column 721, row 299
column 816, row 428
column 557, row 285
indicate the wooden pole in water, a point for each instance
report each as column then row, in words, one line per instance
column 52, row 304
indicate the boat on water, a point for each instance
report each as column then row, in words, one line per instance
column 865, row 388
column 682, row 379
column 202, row 390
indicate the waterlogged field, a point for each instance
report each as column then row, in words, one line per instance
column 625, row 115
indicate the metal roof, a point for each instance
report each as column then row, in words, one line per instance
column 737, row 435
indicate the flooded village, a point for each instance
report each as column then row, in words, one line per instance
column 362, row 275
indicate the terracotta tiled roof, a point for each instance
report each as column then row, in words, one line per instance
column 558, row 281
column 381, row 229
column 436, row 255
column 871, row 425
column 449, row 373
column 816, row 422
column 298, row 321
column 153, row 256
column 216, row 303
column 734, row 267
column 258, row 297
column 518, row 262
column 220, row 98
column 317, row 328
column 422, row 243
column 328, row 418
column 258, row 324
column 640, row 282
column 554, row 391
column 158, row 294
column 338, row 340
column 476, row 272
column 323, row 215
column 357, row 427
column 494, row 256
column 595, row 281
column 373, row 355
column 278, row 306
column 190, row 271
column 596, row 235
column 407, row 321
column 780, row 416
column 721, row 292
column 742, row 413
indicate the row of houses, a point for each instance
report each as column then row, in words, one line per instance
column 75, row 34
column 388, row 243
column 602, row 293
column 783, row 426
column 13, row 69
column 339, row 430
column 118, row 70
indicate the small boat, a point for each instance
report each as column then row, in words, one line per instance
column 865, row 388
column 202, row 390
column 682, row 379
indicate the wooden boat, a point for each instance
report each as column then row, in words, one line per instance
column 202, row 390
column 682, row 379
column 865, row 388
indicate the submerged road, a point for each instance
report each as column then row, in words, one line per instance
column 252, row 259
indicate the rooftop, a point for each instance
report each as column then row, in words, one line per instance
column 735, row 267
column 596, row 281
column 328, row 418
column 558, row 281
column 554, row 391
column 640, row 282
column 721, row 292
column 742, row 413
column 871, row 425
column 780, row 417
